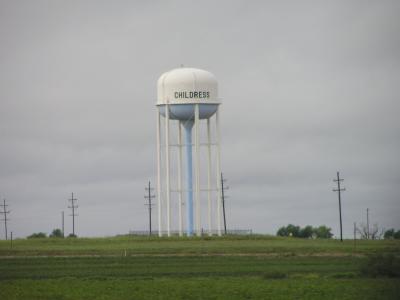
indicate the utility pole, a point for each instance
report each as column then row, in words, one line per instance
column 149, row 197
column 339, row 190
column 73, row 207
column 223, row 188
column 5, row 212
column 62, row 223
column 367, row 223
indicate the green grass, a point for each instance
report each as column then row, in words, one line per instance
column 201, row 288
column 255, row 267
column 184, row 267
column 225, row 245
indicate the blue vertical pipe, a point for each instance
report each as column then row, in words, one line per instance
column 188, row 125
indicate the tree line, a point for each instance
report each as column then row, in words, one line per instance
column 324, row 232
column 56, row 233
column 307, row 232
column 320, row 232
column 392, row 234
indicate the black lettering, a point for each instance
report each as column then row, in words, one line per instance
column 192, row 94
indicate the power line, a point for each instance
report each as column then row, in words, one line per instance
column 149, row 197
column 339, row 190
column 5, row 212
column 223, row 188
column 73, row 207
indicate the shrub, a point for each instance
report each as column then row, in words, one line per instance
column 293, row 230
column 282, row 231
column 57, row 233
column 275, row 275
column 381, row 265
column 306, row 232
column 392, row 234
column 323, row 232
column 38, row 235
column 389, row 234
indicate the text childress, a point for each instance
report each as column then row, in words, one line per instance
column 194, row 94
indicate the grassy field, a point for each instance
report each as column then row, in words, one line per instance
column 226, row 245
column 255, row 267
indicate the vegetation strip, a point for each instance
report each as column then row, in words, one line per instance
column 323, row 254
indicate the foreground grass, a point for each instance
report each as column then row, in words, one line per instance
column 193, row 277
column 201, row 288
column 227, row 268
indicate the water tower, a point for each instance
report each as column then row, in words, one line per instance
column 188, row 98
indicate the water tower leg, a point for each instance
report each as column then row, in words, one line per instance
column 218, row 137
column 180, row 177
column 188, row 125
column 159, row 172
column 209, row 176
column 168, row 183
column 197, row 170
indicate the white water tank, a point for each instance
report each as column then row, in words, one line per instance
column 183, row 87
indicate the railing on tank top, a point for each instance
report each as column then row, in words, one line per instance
column 204, row 232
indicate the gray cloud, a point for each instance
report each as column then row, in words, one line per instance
column 308, row 88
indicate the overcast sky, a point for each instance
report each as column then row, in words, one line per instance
column 309, row 88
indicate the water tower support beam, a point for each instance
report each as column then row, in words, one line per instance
column 180, row 178
column 188, row 125
column 197, row 169
column 209, row 176
column 167, row 169
column 159, row 173
column 218, row 138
